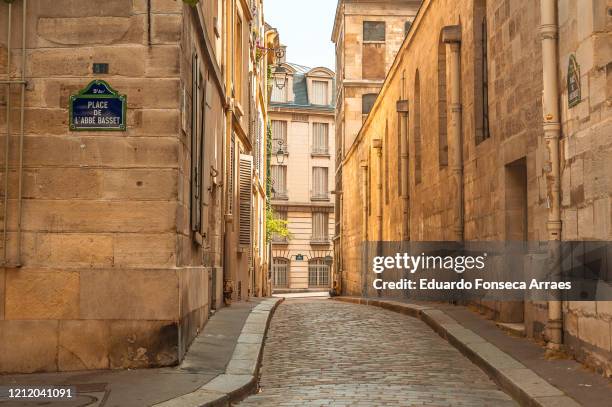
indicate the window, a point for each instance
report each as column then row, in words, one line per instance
column 319, row 184
column 320, row 227
column 318, row 273
column 280, row 95
column 367, row 103
column 485, row 82
column 417, row 129
column 320, row 138
column 442, row 106
column 280, row 272
column 238, row 54
column 279, row 136
column 279, row 182
column 231, row 175
column 407, row 26
column 246, row 203
column 373, row 31
column 319, row 92
column 280, row 215
column 197, row 139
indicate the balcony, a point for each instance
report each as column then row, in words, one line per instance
column 280, row 239
column 280, row 195
column 320, row 151
column 319, row 196
column 319, row 240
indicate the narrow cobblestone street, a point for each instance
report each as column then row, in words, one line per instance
column 326, row 353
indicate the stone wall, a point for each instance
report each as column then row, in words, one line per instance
column 504, row 194
column 109, row 276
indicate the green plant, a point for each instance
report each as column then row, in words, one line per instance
column 275, row 226
column 191, row 2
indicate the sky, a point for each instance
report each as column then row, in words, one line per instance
column 305, row 28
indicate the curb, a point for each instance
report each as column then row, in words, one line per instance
column 520, row 382
column 241, row 373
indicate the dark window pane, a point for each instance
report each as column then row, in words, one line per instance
column 367, row 102
column 373, row 30
column 407, row 26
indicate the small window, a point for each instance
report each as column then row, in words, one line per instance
column 279, row 182
column 374, row 31
column 367, row 102
column 318, row 273
column 320, row 189
column 320, row 138
column 319, row 92
column 279, row 136
column 320, row 227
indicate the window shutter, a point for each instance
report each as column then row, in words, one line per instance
column 246, row 176
column 230, row 181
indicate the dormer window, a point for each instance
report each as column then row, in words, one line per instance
column 320, row 91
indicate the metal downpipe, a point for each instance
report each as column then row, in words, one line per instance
column 8, row 133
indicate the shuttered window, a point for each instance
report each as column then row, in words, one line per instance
column 280, row 215
column 279, row 136
column 198, row 128
column 318, row 273
column 231, row 175
column 280, row 272
column 246, row 174
column 319, row 183
column 319, row 92
column 320, row 138
column 279, row 181
column 320, row 226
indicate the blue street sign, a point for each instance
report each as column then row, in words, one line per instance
column 98, row 107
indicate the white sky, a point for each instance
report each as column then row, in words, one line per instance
column 305, row 28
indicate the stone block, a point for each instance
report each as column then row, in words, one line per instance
column 594, row 331
column 129, row 294
column 58, row 62
column 83, row 345
column 83, row 30
column 144, row 250
column 74, row 8
column 97, row 216
column 145, row 184
column 71, row 250
column 166, row 28
column 570, row 324
column 32, row 344
column 166, row 6
column 154, row 123
column 41, row 294
column 163, row 61
column 139, row 344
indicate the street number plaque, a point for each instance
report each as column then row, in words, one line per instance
column 98, row 107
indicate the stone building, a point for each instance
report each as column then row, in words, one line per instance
column 475, row 137
column 367, row 36
column 302, row 172
column 118, row 244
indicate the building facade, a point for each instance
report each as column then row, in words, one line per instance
column 118, row 244
column 302, row 172
column 494, row 124
column 367, row 36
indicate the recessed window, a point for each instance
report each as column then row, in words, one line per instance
column 320, row 92
column 320, row 138
column 407, row 26
column 367, row 102
column 374, row 31
column 320, row 190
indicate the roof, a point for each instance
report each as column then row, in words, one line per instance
column 300, row 90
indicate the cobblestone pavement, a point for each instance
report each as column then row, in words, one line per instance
column 328, row 353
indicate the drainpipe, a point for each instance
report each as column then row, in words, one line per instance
column 364, row 223
column 21, row 130
column 7, row 144
column 377, row 144
column 552, row 134
column 451, row 35
column 402, row 109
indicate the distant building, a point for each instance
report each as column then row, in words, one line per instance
column 302, row 118
column 367, row 35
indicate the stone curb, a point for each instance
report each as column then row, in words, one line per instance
column 241, row 373
column 520, row 382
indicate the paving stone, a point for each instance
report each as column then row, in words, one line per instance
column 329, row 353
